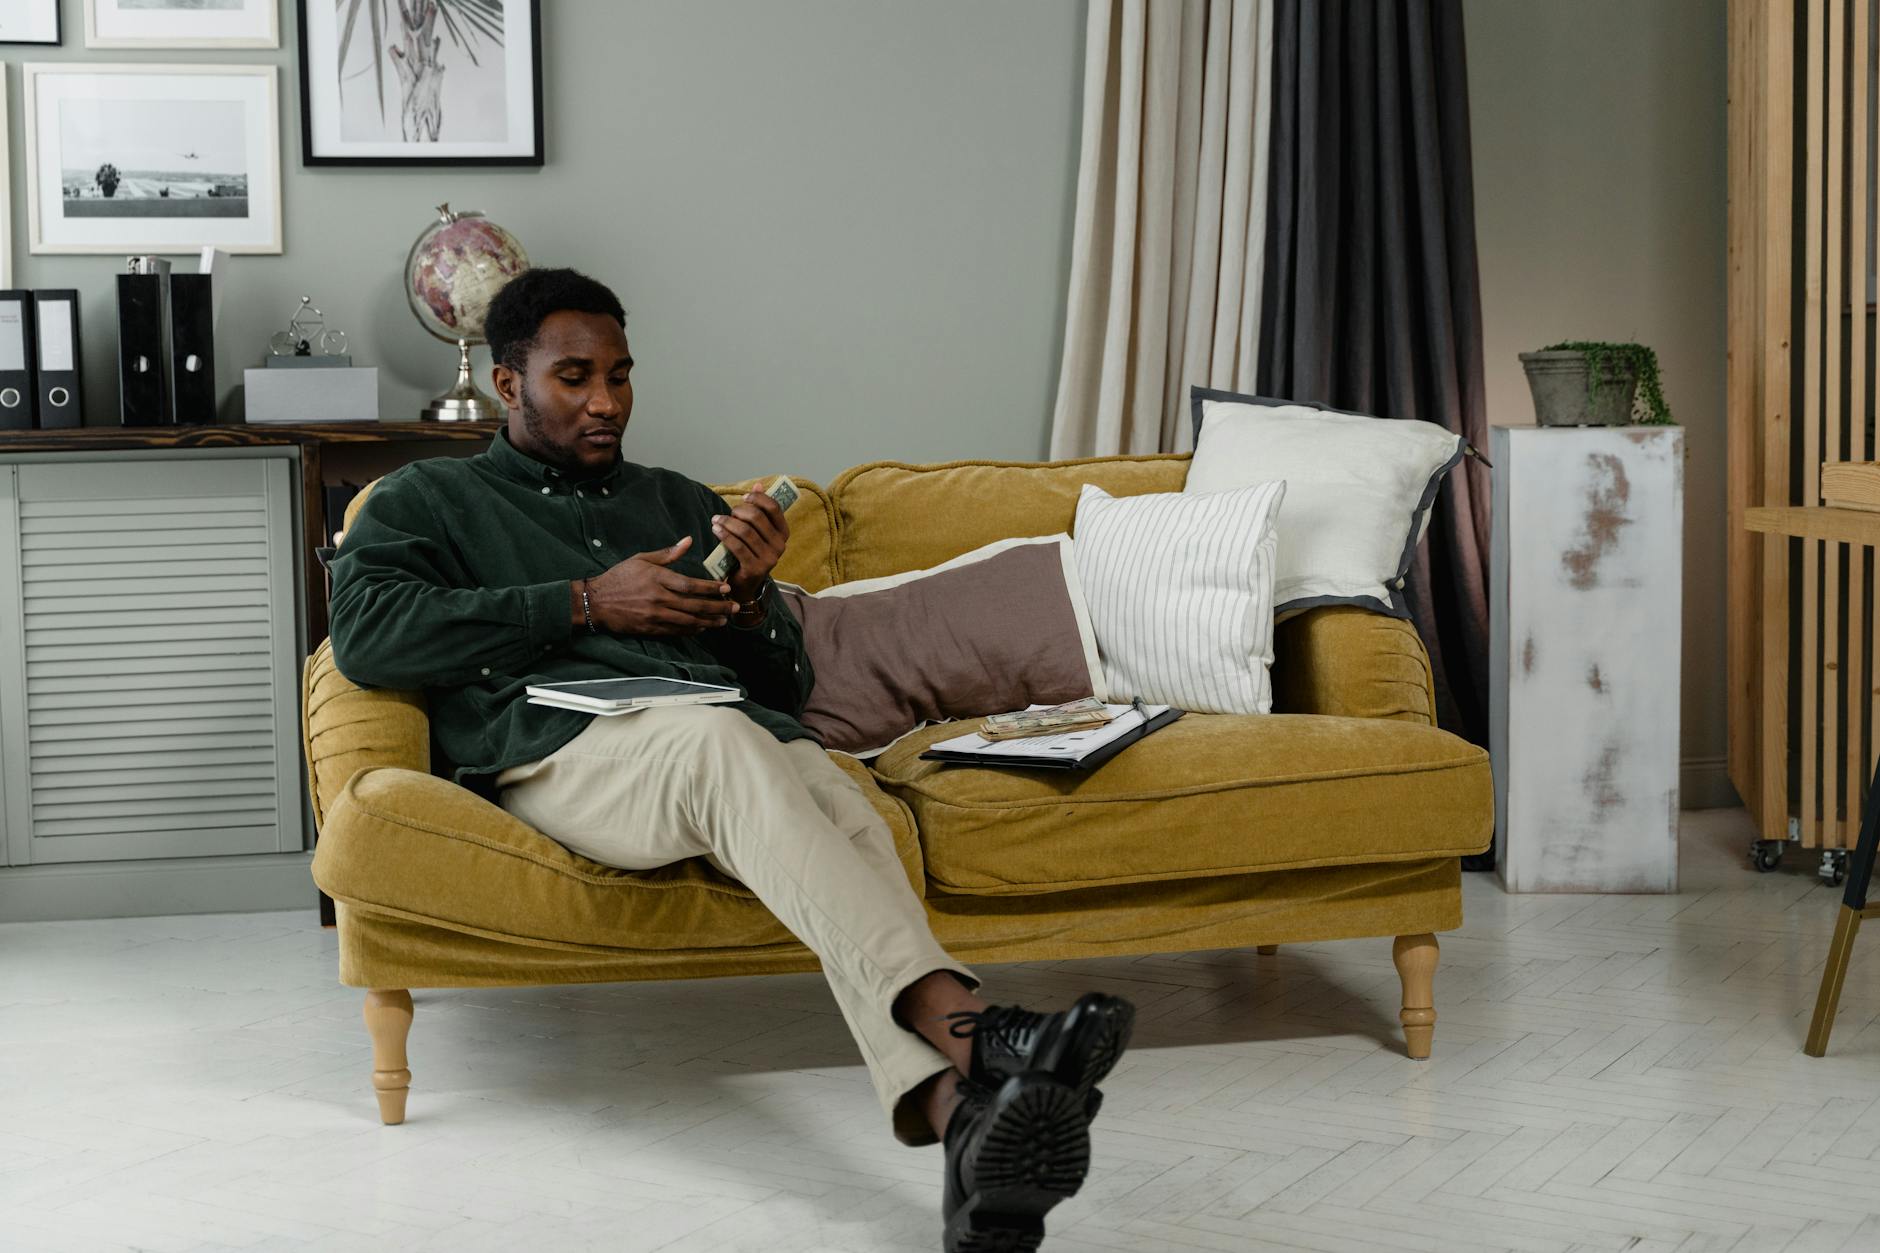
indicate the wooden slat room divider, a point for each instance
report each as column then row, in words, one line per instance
column 1804, row 695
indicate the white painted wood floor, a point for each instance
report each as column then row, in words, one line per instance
column 1611, row 1072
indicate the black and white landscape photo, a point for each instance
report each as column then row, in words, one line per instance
column 153, row 159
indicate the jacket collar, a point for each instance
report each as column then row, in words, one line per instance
column 512, row 463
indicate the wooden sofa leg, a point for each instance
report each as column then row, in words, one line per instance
column 1266, row 950
column 1415, row 958
column 388, row 1022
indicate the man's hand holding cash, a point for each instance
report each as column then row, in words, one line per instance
column 751, row 539
column 642, row 596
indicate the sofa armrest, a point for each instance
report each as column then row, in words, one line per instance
column 345, row 729
column 1352, row 663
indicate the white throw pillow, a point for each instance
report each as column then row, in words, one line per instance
column 1180, row 590
column 1358, row 493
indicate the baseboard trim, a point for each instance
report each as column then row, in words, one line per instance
column 174, row 885
column 1704, row 783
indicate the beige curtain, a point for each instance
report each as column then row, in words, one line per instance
column 1166, row 260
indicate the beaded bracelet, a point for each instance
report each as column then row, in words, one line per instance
column 587, row 608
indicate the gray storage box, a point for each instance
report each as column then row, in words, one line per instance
column 297, row 397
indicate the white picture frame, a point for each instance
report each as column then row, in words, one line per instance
column 6, row 181
column 31, row 22
column 181, row 134
column 182, row 24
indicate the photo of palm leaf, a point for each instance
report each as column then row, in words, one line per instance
column 410, row 35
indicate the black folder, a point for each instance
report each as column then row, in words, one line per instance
column 55, row 324
column 192, row 348
column 143, row 356
column 1089, row 761
column 19, row 399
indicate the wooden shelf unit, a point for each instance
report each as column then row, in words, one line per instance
column 312, row 441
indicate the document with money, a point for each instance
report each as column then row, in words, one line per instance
column 1083, row 749
column 1047, row 719
column 721, row 563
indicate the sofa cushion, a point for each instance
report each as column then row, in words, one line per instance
column 1212, row 794
column 892, row 516
column 999, row 628
column 1180, row 590
column 424, row 848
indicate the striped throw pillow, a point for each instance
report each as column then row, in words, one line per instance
column 1180, row 591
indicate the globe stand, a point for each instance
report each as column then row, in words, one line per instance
column 463, row 402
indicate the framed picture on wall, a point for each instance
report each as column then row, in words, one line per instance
column 30, row 22
column 6, row 180
column 182, row 24
column 420, row 82
column 152, row 158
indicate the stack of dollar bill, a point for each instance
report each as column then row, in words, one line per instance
column 1076, row 715
column 721, row 563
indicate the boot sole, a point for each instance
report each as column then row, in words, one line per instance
column 1034, row 1154
column 1096, row 1031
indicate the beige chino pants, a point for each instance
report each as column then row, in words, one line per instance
column 650, row 788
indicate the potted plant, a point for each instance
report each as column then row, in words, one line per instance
column 1592, row 383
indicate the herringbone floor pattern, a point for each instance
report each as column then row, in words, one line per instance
column 1611, row 1073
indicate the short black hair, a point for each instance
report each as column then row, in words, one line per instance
column 525, row 302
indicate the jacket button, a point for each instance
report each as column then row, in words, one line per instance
column 548, row 491
column 596, row 543
column 486, row 669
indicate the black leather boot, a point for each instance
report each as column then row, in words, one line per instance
column 1013, row 1152
column 1077, row 1047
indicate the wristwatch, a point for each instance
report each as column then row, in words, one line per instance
column 754, row 605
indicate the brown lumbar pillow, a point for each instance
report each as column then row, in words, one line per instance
column 999, row 628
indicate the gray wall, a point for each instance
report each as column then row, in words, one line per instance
column 841, row 227
column 842, row 230
column 1599, row 196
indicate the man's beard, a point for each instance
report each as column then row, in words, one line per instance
column 566, row 460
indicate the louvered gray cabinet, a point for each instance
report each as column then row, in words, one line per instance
column 148, row 659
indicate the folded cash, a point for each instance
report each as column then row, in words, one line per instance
column 721, row 563
column 1073, row 715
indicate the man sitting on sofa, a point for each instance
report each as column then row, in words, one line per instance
column 550, row 558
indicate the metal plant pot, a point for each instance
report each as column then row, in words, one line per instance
column 1558, row 381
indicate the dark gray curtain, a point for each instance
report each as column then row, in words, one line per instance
column 1371, row 294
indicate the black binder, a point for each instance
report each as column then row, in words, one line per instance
column 19, row 400
column 55, row 323
column 192, row 348
column 1089, row 761
column 143, row 356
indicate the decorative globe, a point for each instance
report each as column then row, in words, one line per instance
column 455, row 269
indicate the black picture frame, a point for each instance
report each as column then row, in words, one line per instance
column 536, row 158
column 58, row 31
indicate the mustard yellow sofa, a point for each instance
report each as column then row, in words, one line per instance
column 1342, row 815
